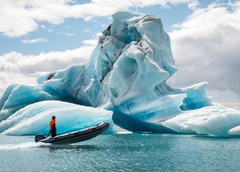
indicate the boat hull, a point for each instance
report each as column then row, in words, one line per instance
column 77, row 136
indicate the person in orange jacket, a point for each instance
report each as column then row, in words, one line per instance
column 52, row 126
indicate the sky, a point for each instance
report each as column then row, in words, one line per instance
column 37, row 37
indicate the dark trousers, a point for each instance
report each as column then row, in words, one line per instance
column 53, row 131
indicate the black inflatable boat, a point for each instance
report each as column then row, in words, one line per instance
column 73, row 137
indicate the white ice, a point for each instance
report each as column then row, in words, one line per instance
column 35, row 118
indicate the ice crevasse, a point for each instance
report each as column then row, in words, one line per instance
column 124, row 83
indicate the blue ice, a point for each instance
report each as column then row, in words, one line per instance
column 125, row 82
column 35, row 118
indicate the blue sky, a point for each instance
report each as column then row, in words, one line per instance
column 73, row 31
column 47, row 35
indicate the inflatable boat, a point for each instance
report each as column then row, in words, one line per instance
column 76, row 136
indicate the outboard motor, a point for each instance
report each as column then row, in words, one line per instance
column 39, row 137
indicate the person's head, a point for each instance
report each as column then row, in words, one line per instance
column 53, row 117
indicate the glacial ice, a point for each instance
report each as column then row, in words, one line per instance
column 35, row 118
column 215, row 120
column 124, row 83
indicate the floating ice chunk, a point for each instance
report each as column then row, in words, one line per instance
column 234, row 132
column 213, row 120
column 34, row 119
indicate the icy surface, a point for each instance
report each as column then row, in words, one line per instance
column 213, row 120
column 35, row 118
column 126, row 74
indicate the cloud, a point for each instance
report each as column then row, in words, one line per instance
column 18, row 68
column 66, row 33
column 193, row 5
column 16, row 62
column 31, row 41
column 27, row 14
column 92, row 42
column 206, row 48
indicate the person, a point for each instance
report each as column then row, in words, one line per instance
column 52, row 126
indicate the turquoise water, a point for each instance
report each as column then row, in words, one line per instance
column 122, row 152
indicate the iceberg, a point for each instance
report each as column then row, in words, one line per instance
column 215, row 120
column 35, row 118
column 125, row 83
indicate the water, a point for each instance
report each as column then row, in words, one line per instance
column 122, row 152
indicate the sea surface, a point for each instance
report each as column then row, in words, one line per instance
column 122, row 152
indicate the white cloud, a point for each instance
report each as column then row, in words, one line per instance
column 18, row 68
column 206, row 48
column 92, row 42
column 16, row 62
column 21, row 17
column 193, row 5
column 31, row 41
column 66, row 33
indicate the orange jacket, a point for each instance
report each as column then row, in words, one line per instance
column 51, row 123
